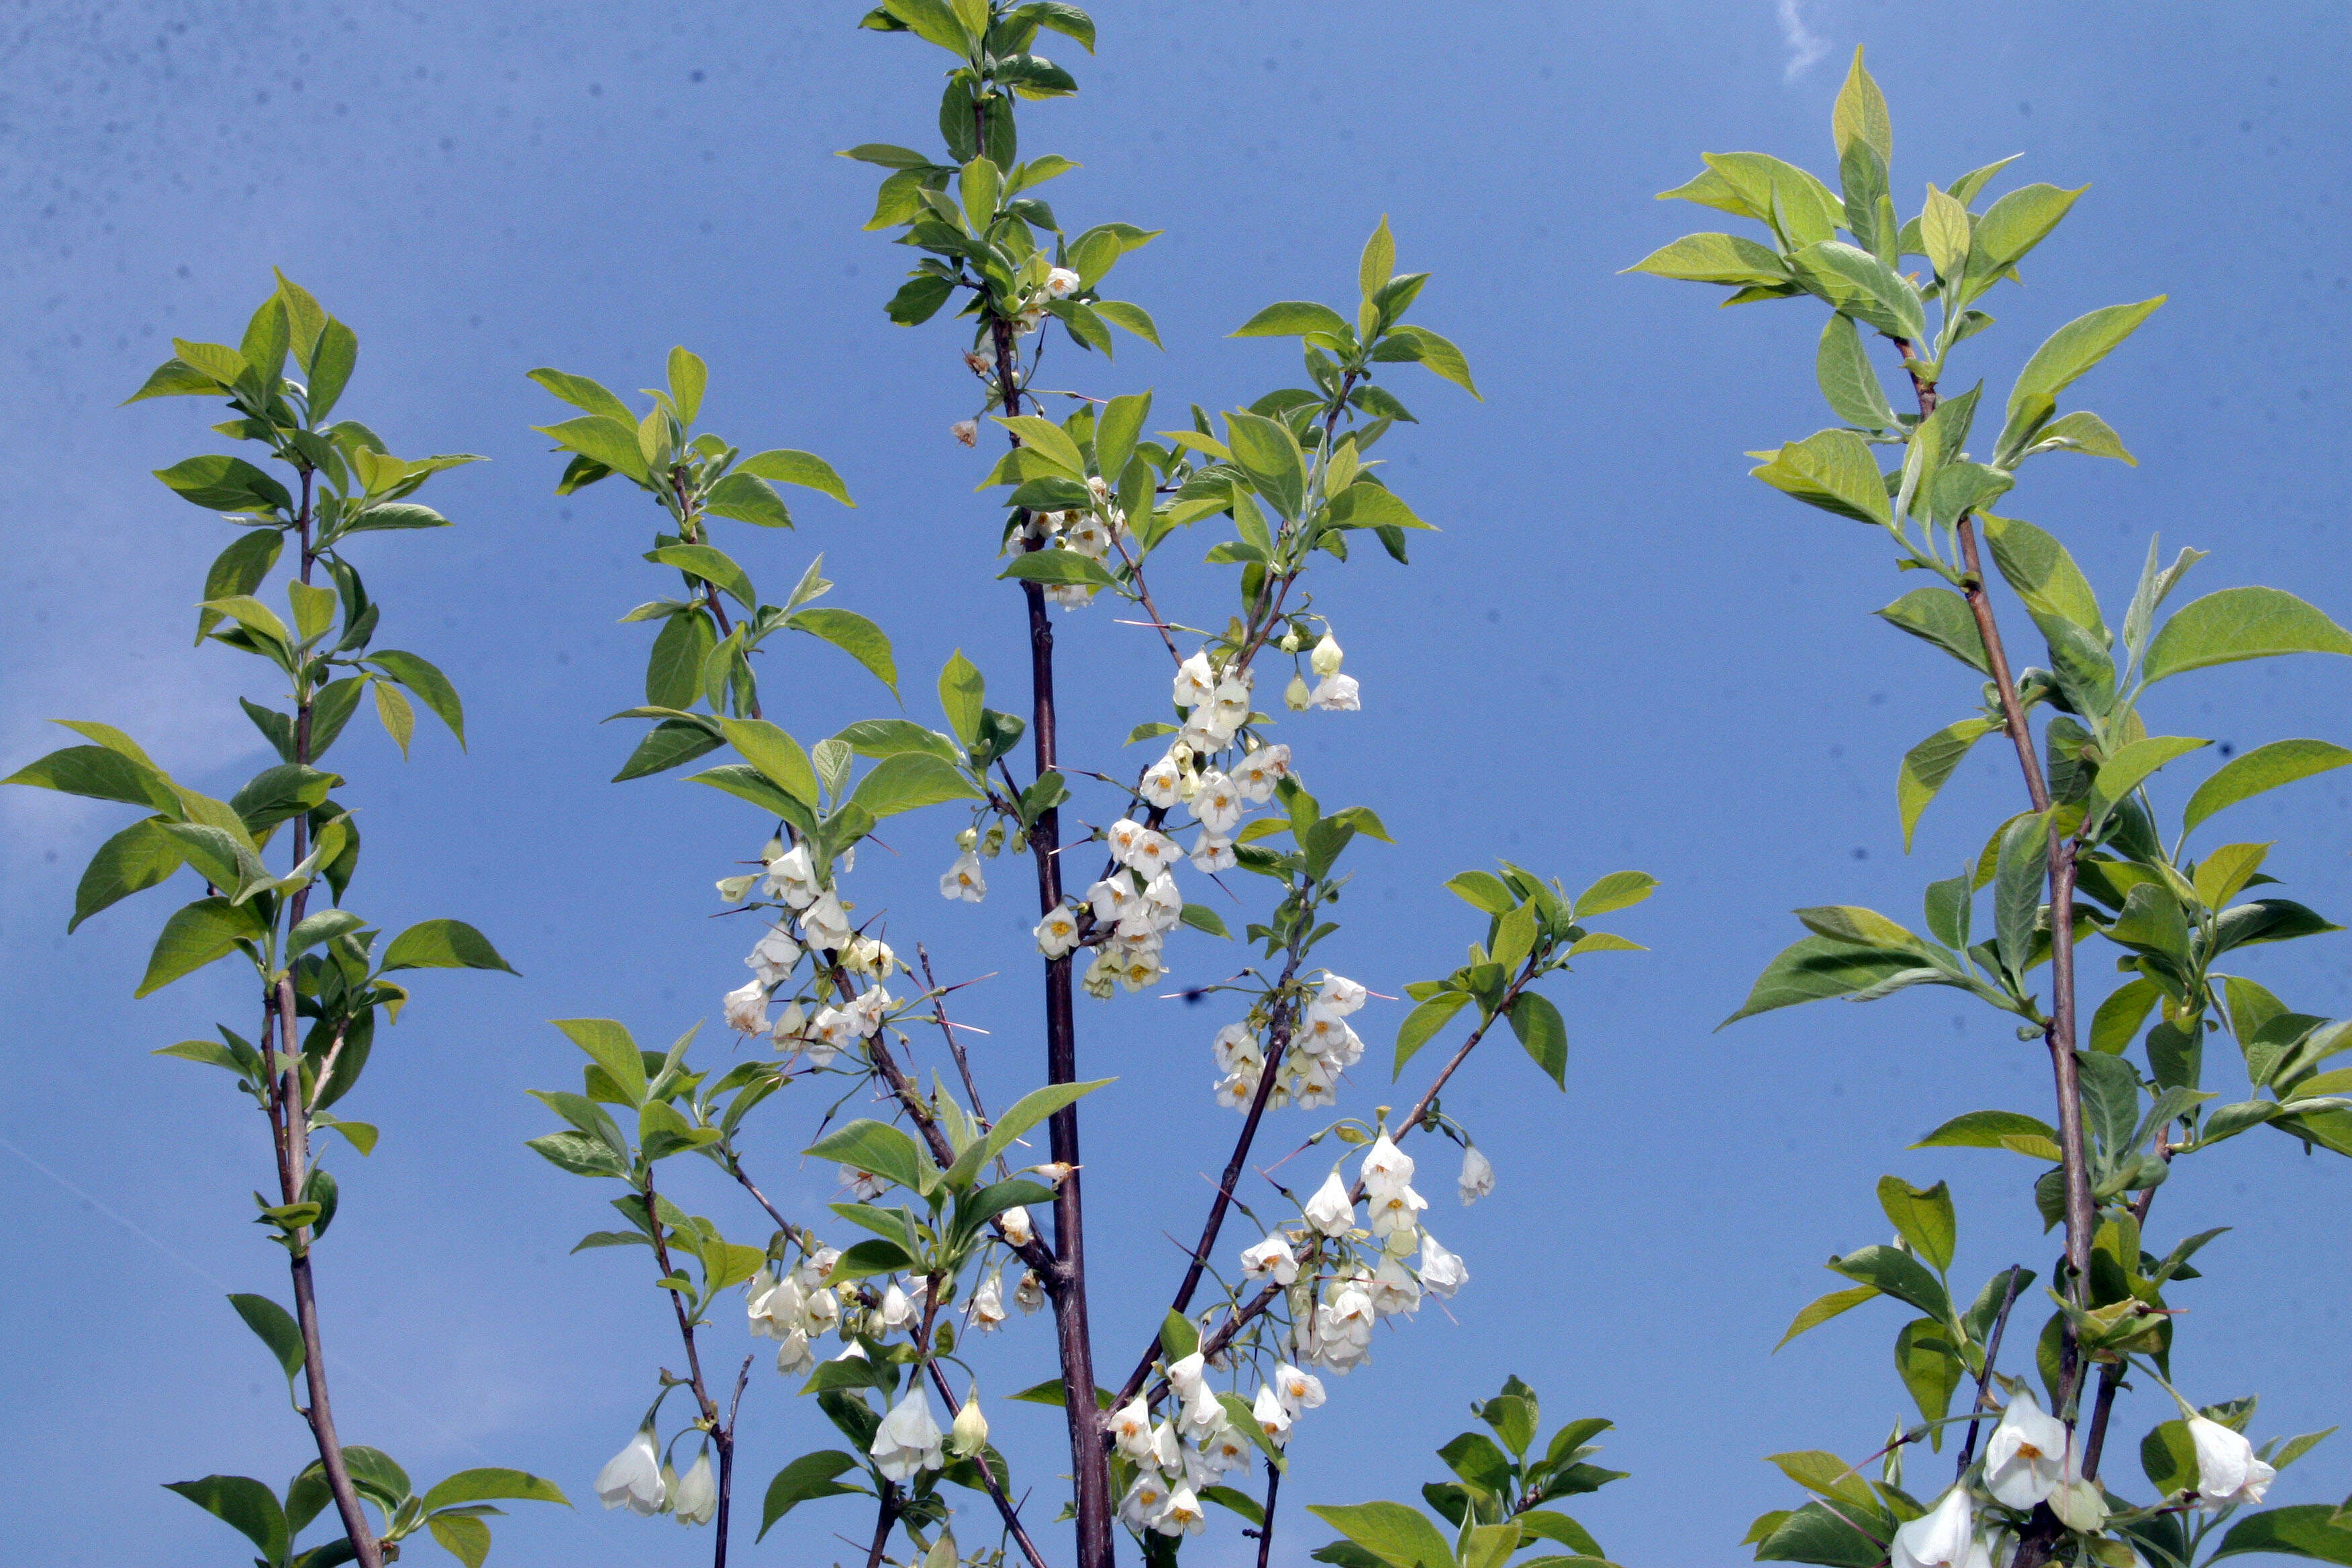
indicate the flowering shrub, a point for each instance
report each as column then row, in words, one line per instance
column 943, row 1236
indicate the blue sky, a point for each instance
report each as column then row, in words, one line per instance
column 1621, row 651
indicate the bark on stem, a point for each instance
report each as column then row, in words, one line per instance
column 290, row 1125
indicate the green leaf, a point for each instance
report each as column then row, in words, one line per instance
column 1848, row 380
column 776, row 755
column 1543, row 1032
column 611, row 1047
column 1291, row 318
column 1423, row 1021
column 875, row 1147
column 669, row 744
column 463, row 1536
column 246, row 1506
column 2013, row 226
column 806, row 470
column 1831, row 469
column 1432, row 352
column 1826, row 1308
column 909, row 780
column 134, row 859
column 1820, row 967
column 961, row 690
column 1816, row 1534
column 196, row 935
column 1617, row 891
column 430, row 685
column 1399, row 1536
column 804, row 1479
column 1048, row 440
column 2062, row 359
column 100, row 772
column 1269, row 455
column 2022, row 866
column 609, row 439
column 856, row 635
column 2239, row 624
column 491, row 1483
column 2044, row 575
column 1202, row 917
column 238, row 570
column 442, row 944
column 1024, row 1113
column 741, row 497
column 1716, row 259
column 2307, row 1530
column 1900, row 1274
column 1860, row 284
column 1484, row 890
column 710, row 566
column 2132, row 766
column 1923, row 1217
column 1941, row 617
column 687, row 377
column 2084, row 432
column 2264, row 768
column 1860, row 114
column 1062, row 566
column 275, row 1327
column 1933, row 761
column 587, row 395
column 220, row 483
column 1986, row 1129
column 1128, row 317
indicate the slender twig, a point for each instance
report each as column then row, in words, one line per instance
column 1265, row 1529
column 1005, row 1506
column 885, row 1514
column 724, row 1437
column 1991, row 1354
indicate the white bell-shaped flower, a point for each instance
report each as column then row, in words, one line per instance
column 1329, row 1211
column 697, row 1492
column 2025, row 1459
column 632, row 1478
column 908, row 1440
column 1478, row 1175
column 2227, row 1471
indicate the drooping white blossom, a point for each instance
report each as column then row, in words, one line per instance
column 1162, row 784
column 1131, row 1429
column 1201, row 1412
column 1329, row 1210
column 1335, row 694
column 1058, row 932
column 793, row 1354
column 1341, row 1333
column 964, row 880
column 1393, row 1290
column 1441, row 1272
column 825, row 924
column 908, row 1439
column 864, row 1185
column 632, row 1478
column 697, row 1492
column 1298, row 1390
column 1196, row 683
column 1478, row 1175
column 789, row 878
column 1185, row 1373
column 896, row 1310
column 1143, row 1501
column 1395, row 1209
column 1030, row 1294
column 1340, row 995
column 1273, row 1416
column 1385, row 1165
column 1218, row 803
column 1258, row 773
column 746, row 1007
column 966, row 431
column 1944, row 1537
column 987, row 1313
column 1061, row 282
column 1295, row 696
column 2025, row 1459
column 773, row 957
column 1212, row 854
column 1271, row 1258
column 1235, row 1049
column 2227, row 1470
column 1181, row 1514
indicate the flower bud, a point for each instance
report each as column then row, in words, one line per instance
column 1294, row 695
column 969, row 1434
column 1327, row 656
column 994, row 844
column 967, row 839
column 1018, row 842
column 1291, row 642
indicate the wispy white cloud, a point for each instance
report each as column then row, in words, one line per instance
column 1805, row 47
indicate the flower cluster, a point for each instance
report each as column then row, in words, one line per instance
column 2033, row 1460
column 1177, row 1457
column 820, row 1030
column 1332, row 691
column 1334, row 1309
column 1093, row 532
column 639, row 1480
column 1321, row 1045
column 794, row 1308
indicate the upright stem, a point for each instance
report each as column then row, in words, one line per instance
column 289, row 1124
column 2081, row 1218
column 724, row 1437
column 1991, row 1355
column 1266, row 1530
column 705, row 1407
column 884, row 1516
column 1090, row 1465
